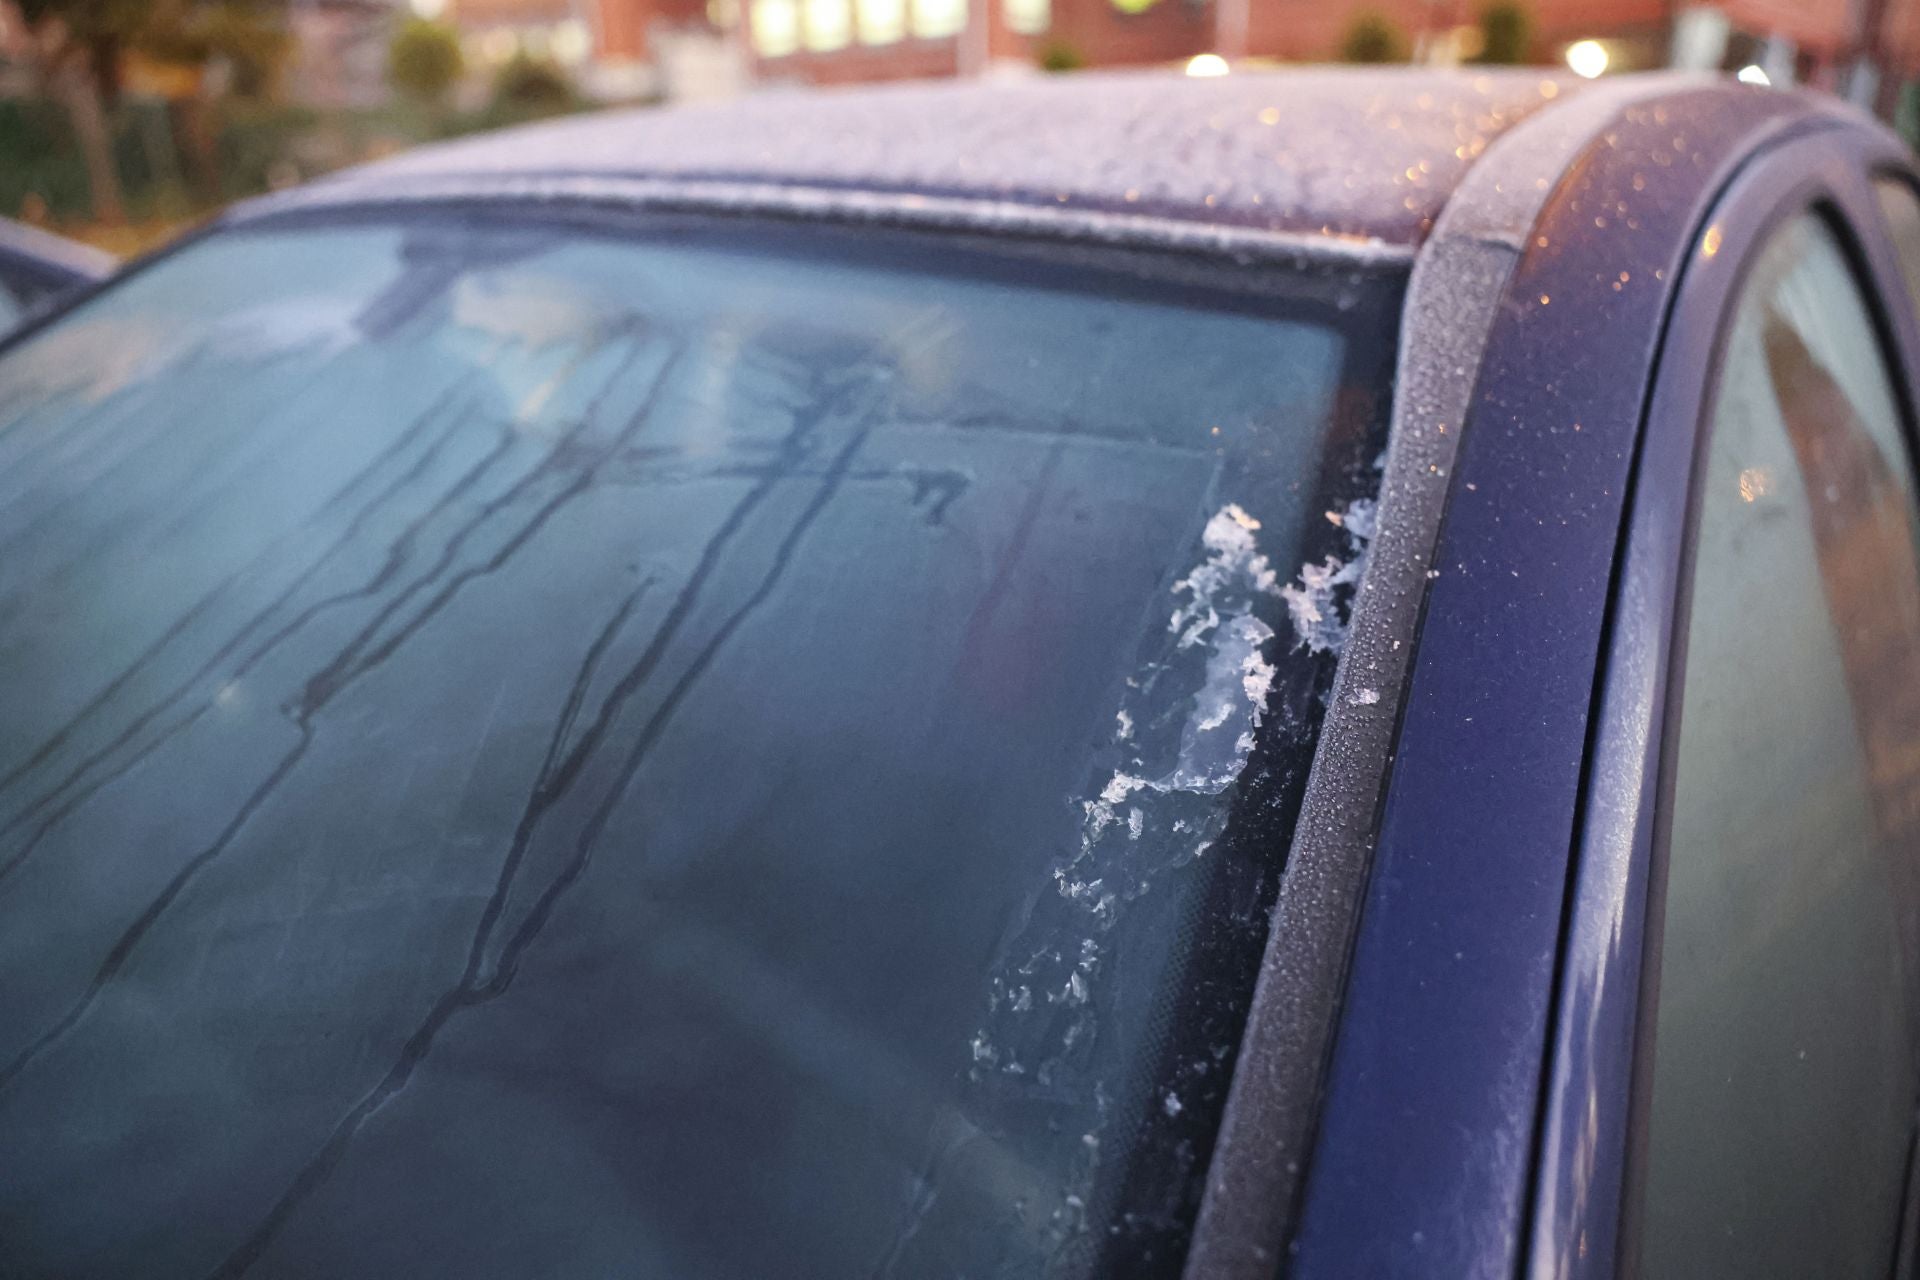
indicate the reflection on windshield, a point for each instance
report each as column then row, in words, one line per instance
column 534, row 753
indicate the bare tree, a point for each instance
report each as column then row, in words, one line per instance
column 76, row 46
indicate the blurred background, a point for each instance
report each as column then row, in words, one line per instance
column 121, row 120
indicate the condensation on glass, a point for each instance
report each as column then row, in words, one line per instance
column 540, row 749
column 1784, row 1074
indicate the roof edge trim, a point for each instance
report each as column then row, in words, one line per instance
column 1261, row 1159
column 798, row 202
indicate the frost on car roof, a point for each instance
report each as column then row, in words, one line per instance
column 57, row 251
column 1369, row 155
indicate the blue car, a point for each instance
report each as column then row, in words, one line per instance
column 37, row 266
column 1311, row 673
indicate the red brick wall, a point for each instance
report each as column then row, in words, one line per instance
column 1312, row 31
column 1900, row 35
column 623, row 28
column 623, row 24
column 515, row 12
column 1557, row 22
column 1824, row 29
column 1170, row 31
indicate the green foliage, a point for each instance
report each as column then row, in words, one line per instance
column 252, row 144
column 528, row 88
column 1506, row 31
column 40, row 161
column 423, row 60
column 1058, row 55
column 39, row 158
column 1373, row 37
column 124, row 21
column 250, row 35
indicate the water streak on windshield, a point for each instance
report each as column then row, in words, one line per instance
column 532, row 751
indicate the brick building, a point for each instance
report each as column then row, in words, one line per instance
column 493, row 31
column 834, row 41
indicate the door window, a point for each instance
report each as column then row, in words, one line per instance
column 1783, row 1070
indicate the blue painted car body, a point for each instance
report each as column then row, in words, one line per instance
column 36, row 267
column 1479, row 1110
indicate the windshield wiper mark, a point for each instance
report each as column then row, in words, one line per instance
column 354, row 660
column 394, row 561
column 130, row 415
column 551, row 786
column 302, row 717
column 100, row 700
column 130, row 938
column 75, row 787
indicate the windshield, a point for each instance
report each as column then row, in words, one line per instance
column 579, row 747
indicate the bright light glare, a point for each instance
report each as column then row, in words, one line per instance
column 1751, row 74
column 571, row 42
column 430, row 9
column 1207, row 64
column 1587, row 58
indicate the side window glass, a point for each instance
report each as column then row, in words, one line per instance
column 1783, row 1077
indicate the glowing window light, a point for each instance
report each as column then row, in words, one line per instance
column 776, row 27
column 880, row 21
column 1028, row 17
column 571, row 43
column 933, row 19
column 829, row 25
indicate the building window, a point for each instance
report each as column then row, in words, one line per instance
column 881, row 21
column 829, row 25
column 570, row 42
column 776, row 27
column 1780, row 1095
column 935, row 18
column 1028, row 17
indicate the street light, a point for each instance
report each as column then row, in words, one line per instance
column 1587, row 59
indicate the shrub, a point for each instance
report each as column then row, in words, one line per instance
column 1505, row 33
column 424, row 61
column 1373, row 38
column 1058, row 55
column 526, row 87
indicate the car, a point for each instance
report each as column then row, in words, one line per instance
column 1308, row 672
column 36, row 265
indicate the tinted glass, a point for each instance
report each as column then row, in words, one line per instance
column 1784, row 1073
column 537, row 751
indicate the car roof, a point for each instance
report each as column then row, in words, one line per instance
column 1351, row 159
column 52, row 255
